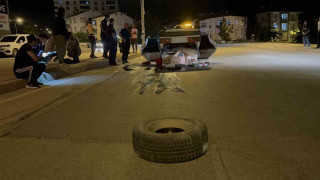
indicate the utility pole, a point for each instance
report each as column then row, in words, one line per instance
column 143, row 22
column 15, row 22
column 318, row 41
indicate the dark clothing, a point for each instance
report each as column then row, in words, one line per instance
column 92, row 40
column 113, row 55
column 39, row 48
column 112, row 44
column 22, row 58
column 305, row 30
column 106, row 49
column 110, row 32
column 125, row 51
column 60, row 27
column 125, row 34
column 134, row 45
column 104, row 27
column 31, row 73
column 25, row 68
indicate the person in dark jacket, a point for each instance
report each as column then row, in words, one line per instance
column 61, row 34
column 104, row 28
column 26, row 64
column 125, row 35
column 41, row 43
column 305, row 34
column 112, row 43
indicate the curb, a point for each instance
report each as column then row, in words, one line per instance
column 57, row 72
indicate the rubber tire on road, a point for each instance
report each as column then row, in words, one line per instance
column 170, row 148
column 14, row 52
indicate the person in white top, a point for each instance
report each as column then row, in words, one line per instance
column 134, row 37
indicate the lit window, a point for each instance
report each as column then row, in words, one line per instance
column 284, row 16
column 219, row 22
column 61, row 2
column 237, row 21
column 275, row 25
column 284, row 26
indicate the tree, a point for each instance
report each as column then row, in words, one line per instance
column 268, row 34
column 81, row 36
column 225, row 30
column 31, row 29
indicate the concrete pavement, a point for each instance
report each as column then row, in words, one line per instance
column 260, row 104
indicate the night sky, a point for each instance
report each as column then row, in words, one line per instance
column 42, row 12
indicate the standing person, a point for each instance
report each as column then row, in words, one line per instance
column 125, row 36
column 252, row 38
column 112, row 43
column 104, row 28
column 92, row 38
column 305, row 34
column 61, row 35
column 134, row 37
column 26, row 64
column 73, row 49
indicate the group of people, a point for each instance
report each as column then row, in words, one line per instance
column 110, row 41
column 32, row 57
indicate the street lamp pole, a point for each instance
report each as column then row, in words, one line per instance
column 15, row 22
column 143, row 22
column 318, row 41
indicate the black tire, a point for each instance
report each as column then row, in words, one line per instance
column 188, row 141
column 14, row 52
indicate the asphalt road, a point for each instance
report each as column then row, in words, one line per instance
column 260, row 103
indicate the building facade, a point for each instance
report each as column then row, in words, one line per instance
column 74, row 7
column 78, row 23
column 286, row 23
column 209, row 26
column 119, row 20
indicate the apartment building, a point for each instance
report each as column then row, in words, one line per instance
column 208, row 25
column 284, row 22
column 78, row 23
column 74, row 7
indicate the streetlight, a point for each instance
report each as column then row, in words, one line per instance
column 18, row 21
column 143, row 21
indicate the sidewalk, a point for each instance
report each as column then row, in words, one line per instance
column 9, row 83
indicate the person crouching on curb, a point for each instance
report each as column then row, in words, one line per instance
column 92, row 38
column 26, row 64
column 125, row 36
column 73, row 49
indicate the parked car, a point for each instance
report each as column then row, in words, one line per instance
column 10, row 44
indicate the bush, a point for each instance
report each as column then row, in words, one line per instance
column 266, row 34
column 81, row 36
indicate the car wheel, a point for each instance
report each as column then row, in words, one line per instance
column 170, row 140
column 14, row 52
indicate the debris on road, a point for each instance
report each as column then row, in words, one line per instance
column 160, row 81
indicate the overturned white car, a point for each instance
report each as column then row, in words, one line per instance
column 179, row 47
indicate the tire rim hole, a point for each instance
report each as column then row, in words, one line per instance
column 169, row 130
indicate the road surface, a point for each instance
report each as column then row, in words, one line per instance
column 260, row 103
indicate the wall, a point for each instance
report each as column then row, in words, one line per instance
column 119, row 20
column 209, row 26
column 79, row 23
